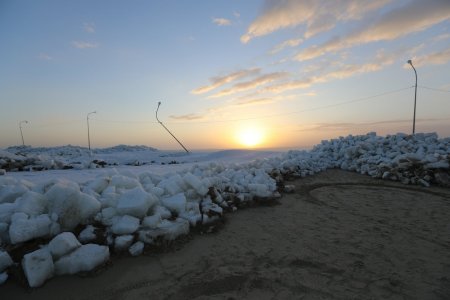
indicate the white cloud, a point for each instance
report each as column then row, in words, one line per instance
column 285, row 44
column 187, row 117
column 327, row 71
column 222, row 80
column 415, row 16
column 221, row 21
column 84, row 45
column 248, row 85
column 435, row 58
column 441, row 37
column 255, row 101
column 317, row 15
column 89, row 27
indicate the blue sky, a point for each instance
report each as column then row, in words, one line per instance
column 277, row 73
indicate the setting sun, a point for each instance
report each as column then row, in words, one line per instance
column 250, row 137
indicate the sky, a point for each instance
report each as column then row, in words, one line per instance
column 228, row 73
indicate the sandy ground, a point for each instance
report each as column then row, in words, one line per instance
column 339, row 236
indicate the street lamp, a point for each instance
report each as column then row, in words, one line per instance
column 415, row 98
column 87, row 121
column 21, row 133
column 159, row 103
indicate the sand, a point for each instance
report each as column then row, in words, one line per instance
column 339, row 236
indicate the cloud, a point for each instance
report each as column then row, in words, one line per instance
column 187, row 117
column 255, row 101
column 317, row 15
column 285, row 44
column 222, row 80
column 335, row 70
column 248, row 85
column 84, row 45
column 441, row 37
column 415, row 16
column 89, row 27
column 290, row 85
column 435, row 58
column 221, row 21
column 45, row 56
column 252, row 100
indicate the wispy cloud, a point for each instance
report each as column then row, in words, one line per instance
column 441, row 37
column 219, row 81
column 336, row 70
column 255, row 101
column 394, row 24
column 435, row 58
column 187, row 117
column 285, row 44
column 317, row 15
column 221, row 21
column 84, row 45
column 44, row 56
column 89, row 27
column 251, row 84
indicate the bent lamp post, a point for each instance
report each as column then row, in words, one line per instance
column 159, row 103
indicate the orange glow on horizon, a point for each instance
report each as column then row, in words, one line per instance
column 250, row 137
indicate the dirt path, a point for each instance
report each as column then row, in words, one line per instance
column 340, row 236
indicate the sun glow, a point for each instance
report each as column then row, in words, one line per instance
column 250, row 137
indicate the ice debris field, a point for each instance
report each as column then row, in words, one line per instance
column 83, row 207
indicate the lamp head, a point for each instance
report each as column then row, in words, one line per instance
column 409, row 62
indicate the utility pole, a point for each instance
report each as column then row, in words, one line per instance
column 21, row 133
column 159, row 103
column 87, row 120
column 415, row 99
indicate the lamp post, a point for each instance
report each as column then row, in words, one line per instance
column 21, row 133
column 415, row 98
column 87, row 120
column 159, row 103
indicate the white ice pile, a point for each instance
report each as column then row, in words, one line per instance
column 131, row 210
column 123, row 212
column 421, row 159
column 26, row 158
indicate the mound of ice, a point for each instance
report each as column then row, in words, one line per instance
column 73, row 207
column 5, row 260
column 87, row 235
column 63, row 244
column 125, row 225
column 136, row 249
column 143, row 206
column 23, row 228
column 176, row 204
column 123, row 242
column 135, row 202
column 83, row 259
column 38, row 267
